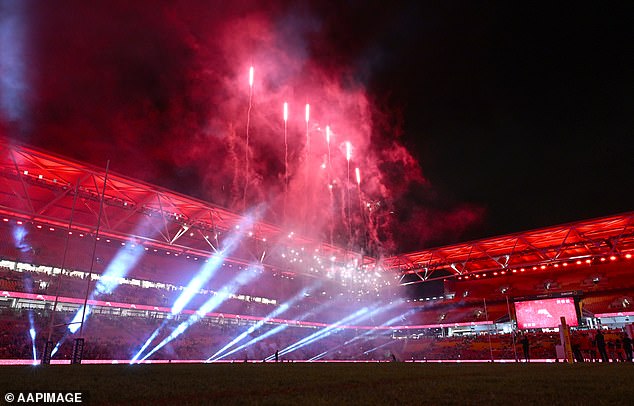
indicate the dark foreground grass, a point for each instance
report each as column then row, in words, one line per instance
column 335, row 383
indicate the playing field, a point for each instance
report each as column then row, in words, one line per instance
column 332, row 383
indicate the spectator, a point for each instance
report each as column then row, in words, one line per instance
column 525, row 347
column 600, row 342
column 627, row 347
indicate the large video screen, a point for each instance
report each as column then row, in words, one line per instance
column 545, row 313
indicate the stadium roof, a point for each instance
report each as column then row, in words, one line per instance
column 41, row 187
column 589, row 240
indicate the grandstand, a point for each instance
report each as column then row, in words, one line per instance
column 164, row 276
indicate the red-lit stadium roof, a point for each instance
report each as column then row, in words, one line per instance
column 589, row 240
column 40, row 187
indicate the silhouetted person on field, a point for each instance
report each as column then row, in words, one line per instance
column 600, row 340
column 277, row 354
column 525, row 347
column 627, row 347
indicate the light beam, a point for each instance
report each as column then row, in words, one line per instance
column 210, row 305
column 319, row 334
column 281, row 309
column 274, row 331
column 199, row 280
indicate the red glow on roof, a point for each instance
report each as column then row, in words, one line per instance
column 565, row 243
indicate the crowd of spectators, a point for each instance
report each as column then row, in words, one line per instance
column 112, row 337
column 541, row 345
column 72, row 286
column 117, row 336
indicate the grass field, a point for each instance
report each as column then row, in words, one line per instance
column 332, row 383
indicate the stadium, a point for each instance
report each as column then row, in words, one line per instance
column 100, row 268
column 290, row 202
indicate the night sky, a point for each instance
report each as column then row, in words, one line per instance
column 468, row 119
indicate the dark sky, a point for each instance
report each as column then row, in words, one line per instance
column 513, row 117
column 524, row 110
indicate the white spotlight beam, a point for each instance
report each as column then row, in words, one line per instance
column 271, row 332
column 210, row 305
column 367, row 333
column 281, row 309
column 209, row 269
column 313, row 337
column 326, row 332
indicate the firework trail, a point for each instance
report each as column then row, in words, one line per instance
column 285, row 158
column 246, row 149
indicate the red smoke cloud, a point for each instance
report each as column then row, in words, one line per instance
column 161, row 89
